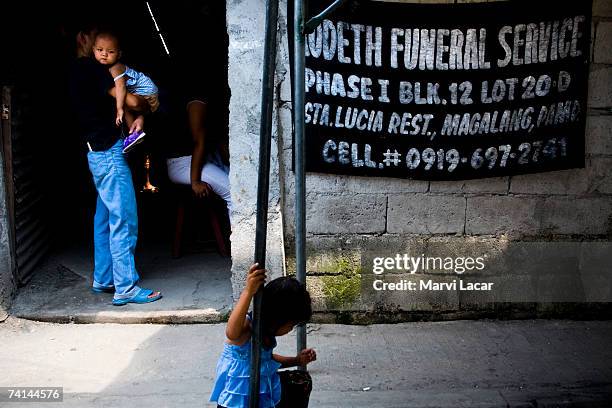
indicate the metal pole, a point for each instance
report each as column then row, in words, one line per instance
column 300, row 153
column 312, row 23
column 300, row 27
column 265, row 136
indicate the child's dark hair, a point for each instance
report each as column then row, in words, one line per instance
column 285, row 300
column 106, row 32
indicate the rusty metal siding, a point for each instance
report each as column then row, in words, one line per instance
column 29, row 228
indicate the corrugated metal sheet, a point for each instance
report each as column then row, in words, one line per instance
column 30, row 233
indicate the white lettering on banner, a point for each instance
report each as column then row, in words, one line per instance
column 461, row 96
column 442, row 49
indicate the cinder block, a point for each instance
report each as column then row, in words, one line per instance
column 596, row 270
column 447, row 255
column 603, row 43
column 555, row 287
column 386, row 185
column 566, row 215
column 326, row 183
column 420, row 1
column 592, row 41
column 488, row 250
column 602, row 8
column 477, row 1
column 510, row 215
column 329, row 261
column 599, row 135
column 574, row 181
column 526, row 272
column 335, row 292
column 600, row 175
column 535, row 258
column 507, row 288
column 334, row 183
column 315, row 288
column 426, row 214
column 600, row 86
column 494, row 185
column 352, row 253
column 345, row 214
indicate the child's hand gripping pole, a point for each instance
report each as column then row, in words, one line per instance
column 238, row 329
column 255, row 278
column 305, row 357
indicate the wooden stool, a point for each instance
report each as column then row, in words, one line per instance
column 187, row 201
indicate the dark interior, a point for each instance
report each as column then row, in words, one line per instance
column 39, row 48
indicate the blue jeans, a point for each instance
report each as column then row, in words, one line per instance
column 115, row 222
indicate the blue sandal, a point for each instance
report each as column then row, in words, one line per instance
column 142, row 296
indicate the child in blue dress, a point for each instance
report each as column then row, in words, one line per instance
column 285, row 303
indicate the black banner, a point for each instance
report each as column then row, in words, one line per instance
column 447, row 91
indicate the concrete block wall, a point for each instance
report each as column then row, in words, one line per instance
column 351, row 216
column 245, row 25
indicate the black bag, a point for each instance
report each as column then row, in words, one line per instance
column 296, row 386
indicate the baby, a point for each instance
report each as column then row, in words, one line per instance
column 134, row 91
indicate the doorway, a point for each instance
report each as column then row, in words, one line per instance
column 52, row 195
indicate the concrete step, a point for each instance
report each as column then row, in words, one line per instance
column 196, row 288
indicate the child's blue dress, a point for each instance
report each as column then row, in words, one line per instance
column 231, row 387
column 137, row 82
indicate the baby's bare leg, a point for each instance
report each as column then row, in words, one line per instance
column 132, row 102
column 136, row 103
column 129, row 118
